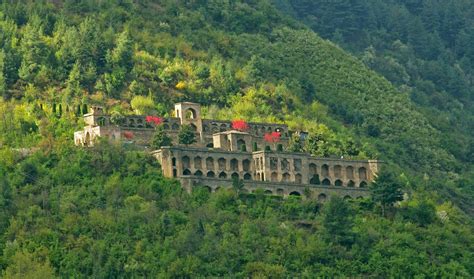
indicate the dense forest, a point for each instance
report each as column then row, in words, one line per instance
column 404, row 95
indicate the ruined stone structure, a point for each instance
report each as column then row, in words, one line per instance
column 222, row 155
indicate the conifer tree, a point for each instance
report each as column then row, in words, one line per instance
column 186, row 135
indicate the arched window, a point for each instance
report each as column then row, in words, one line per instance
column 186, row 172
column 241, row 146
column 295, row 193
column 325, row 170
column 186, row 162
column 258, row 177
column 214, row 128
column 166, row 126
column 298, row 178
column 312, row 169
column 174, row 127
column 235, row 175
column 315, row 180
column 363, row 184
column 173, row 161
column 350, row 172
column 285, row 177
column 88, row 139
column 268, row 192
column 221, row 163
column 222, row 175
column 246, row 165
column 198, row 173
column 210, row 145
column 337, row 171
column 205, row 128
column 190, row 114
column 322, row 197
column 210, row 174
column 347, row 197
column 338, row 182
column 326, row 182
column 350, row 183
column 280, row 192
column 247, row 176
column 362, row 173
column 223, row 127
column 209, row 189
column 197, row 162
column 131, row 122
column 175, row 173
column 234, row 165
column 274, row 177
column 209, row 163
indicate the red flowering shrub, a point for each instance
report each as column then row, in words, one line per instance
column 240, row 125
column 272, row 137
column 128, row 135
column 154, row 119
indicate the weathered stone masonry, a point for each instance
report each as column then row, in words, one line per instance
column 222, row 154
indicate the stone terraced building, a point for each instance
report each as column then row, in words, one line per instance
column 221, row 155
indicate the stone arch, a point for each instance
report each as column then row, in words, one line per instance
column 246, row 165
column 235, row 175
column 190, row 114
column 210, row 174
column 350, row 172
column 274, row 177
column 325, row 170
column 221, row 163
column 295, row 193
column 338, row 182
column 326, row 182
column 313, row 169
column 174, row 126
column 234, row 165
column 285, row 164
column 198, row 173
column 322, row 197
column 298, row 178
column 197, row 162
column 338, row 171
column 185, row 161
column 247, row 176
column 223, row 127
column 268, row 192
column 280, row 191
column 214, row 128
column 350, row 183
column 139, row 123
column 217, row 189
column 222, row 175
column 362, row 173
column 209, row 163
column 205, row 128
column 315, row 180
column 131, row 122
column 166, row 126
column 241, row 145
column 286, row 177
column 173, row 161
column 208, row 188
column 363, row 184
column 347, row 197
column 186, row 172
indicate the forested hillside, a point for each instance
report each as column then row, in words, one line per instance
column 108, row 212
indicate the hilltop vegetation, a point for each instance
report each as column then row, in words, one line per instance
column 241, row 60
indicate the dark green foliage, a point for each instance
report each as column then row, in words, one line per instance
column 160, row 138
column 386, row 189
column 338, row 221
column 186, row 135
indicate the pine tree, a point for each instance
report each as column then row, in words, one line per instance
column 386, row 190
